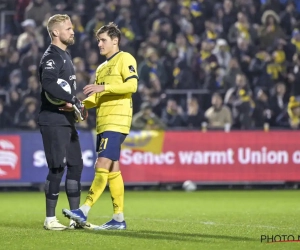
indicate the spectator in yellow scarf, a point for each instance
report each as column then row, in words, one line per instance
column 192, row 38
column 261, row 70
column 294, row 112
column 210, row 31
column 296, row 39
column 242, row 28
column 277, row 66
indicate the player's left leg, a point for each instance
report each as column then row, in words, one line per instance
column 74, row 170
column 116, row 187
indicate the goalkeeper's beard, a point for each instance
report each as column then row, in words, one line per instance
column 68, row 42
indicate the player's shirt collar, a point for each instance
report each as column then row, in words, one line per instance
column 113, row 55
column 58, row 49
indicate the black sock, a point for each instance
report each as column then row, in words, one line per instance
column 52, row 190
column 73, row 186
column 50, row 207
column 73, row 192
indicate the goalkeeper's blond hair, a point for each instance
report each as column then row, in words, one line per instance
column 53, row 20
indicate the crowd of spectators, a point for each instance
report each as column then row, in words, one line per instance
column 244, row 56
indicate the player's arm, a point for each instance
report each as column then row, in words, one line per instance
column 129, row 86
column 90, row 102
column 129, row 75
column 50, row 71
column 49, row 76
column 130, row 80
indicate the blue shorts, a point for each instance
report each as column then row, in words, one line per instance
column 108, row 144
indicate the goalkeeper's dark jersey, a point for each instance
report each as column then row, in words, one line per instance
column 56, row 63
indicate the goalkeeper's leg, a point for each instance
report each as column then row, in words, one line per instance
column 73, row 177
column 56, row 140
column 52, row 192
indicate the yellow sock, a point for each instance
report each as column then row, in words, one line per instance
column 116, row 187
column 98, row 186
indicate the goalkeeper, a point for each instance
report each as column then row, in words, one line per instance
column 57, row 124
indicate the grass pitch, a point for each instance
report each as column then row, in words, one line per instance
column 159, row 220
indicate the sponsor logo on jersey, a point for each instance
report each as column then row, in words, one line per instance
column 50, row 64
column 72, row 77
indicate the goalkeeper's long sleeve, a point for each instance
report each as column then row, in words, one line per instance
column 49, row 78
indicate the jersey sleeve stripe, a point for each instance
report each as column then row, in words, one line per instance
column 130, row 77
column 114, row 114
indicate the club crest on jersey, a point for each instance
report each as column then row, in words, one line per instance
column 108, row 72
column 131, row 69
column 50, row 64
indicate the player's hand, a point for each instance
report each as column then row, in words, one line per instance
column 92, row 89
column 80, row 110
column 68, row 107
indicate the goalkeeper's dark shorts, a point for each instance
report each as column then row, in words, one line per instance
column 62, row 146
column 109, row 143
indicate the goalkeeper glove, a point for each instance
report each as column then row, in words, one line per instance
column 80, row 110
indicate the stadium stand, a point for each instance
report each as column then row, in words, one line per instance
column 211, row 62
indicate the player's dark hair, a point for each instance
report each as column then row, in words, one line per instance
column 112, row 31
